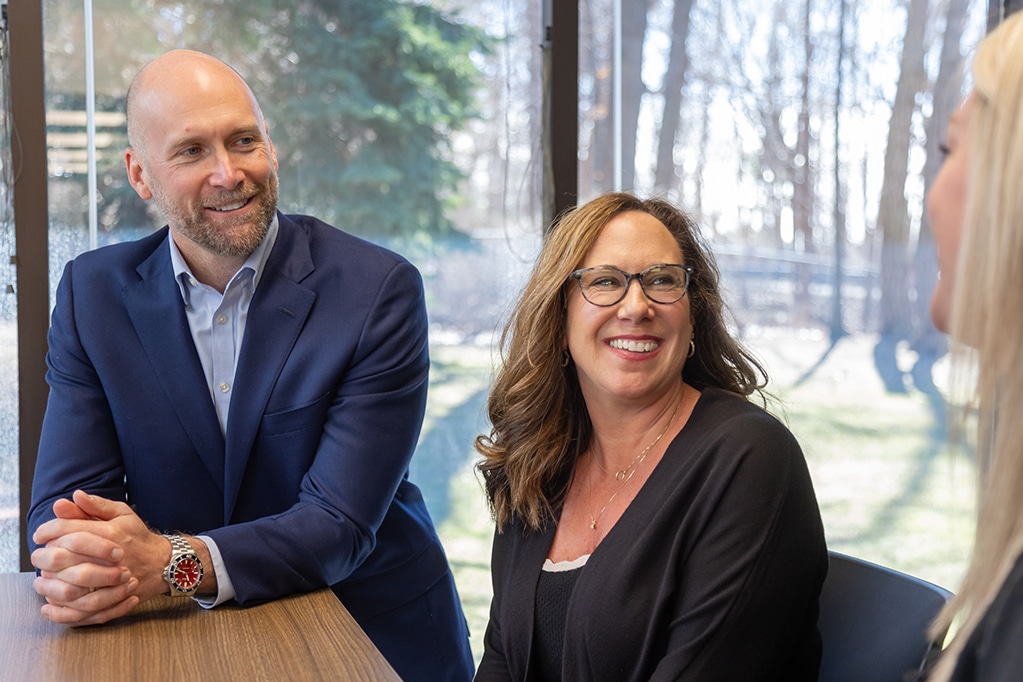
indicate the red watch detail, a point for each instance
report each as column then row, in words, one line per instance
column 187, row 573
column 184, row 571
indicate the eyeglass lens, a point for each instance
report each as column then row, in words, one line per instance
column 606, row 285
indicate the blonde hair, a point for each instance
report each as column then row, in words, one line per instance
column 985, row 315
column 539, row 421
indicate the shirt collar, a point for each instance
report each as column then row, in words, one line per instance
column 255, row 263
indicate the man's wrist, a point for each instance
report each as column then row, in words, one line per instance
column 217, row 587
column 184, row 572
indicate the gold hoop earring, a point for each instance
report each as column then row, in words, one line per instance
column 692, row 349
column 566, row 357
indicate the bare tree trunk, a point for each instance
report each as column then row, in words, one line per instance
column 870, row 245
column 596, row 166
column 634, row 23
column 701, row 161
column 665, row 179
column 893, row 218
column 803, row 180
column 706, row 97
column 528, row 21
column 837, row 324
column 777, row 157
column 927, row 340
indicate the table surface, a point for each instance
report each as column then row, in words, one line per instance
column 302, row 637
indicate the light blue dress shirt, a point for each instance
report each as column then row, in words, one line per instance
column 217, row 322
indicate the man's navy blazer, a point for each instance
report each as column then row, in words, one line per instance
column 308, row 488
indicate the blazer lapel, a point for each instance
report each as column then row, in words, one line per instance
column 276, row 316
column 158, row 315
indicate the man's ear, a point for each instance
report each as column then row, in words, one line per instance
column 137, row 173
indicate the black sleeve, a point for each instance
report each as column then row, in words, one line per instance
column 747, row 608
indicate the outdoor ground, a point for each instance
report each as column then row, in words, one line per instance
column 888, row 487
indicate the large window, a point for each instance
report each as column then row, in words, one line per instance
column 9, row 431
column 412, row 124
column 801, row 136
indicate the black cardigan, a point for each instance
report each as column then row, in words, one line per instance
column 712, row 573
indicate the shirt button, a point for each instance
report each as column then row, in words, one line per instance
column 225, row 387
column 221, row 319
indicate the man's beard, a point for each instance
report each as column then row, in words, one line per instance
column 194, row 223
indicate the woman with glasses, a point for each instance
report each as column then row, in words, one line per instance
column 652, row 522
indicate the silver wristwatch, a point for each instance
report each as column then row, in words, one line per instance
column 184, row 572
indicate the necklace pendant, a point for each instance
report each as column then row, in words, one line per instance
column 620, row 474
column 593, row 523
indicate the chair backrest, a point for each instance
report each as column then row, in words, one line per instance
column 873, row 621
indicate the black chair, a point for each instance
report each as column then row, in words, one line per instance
column 874, row 620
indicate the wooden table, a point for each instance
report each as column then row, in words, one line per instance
column 302, row 637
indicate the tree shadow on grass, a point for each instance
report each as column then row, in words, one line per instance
column 921, row 376
column 923, row 462
column 812, row 369
column 887, row 365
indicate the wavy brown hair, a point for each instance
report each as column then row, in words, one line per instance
column 539, row 422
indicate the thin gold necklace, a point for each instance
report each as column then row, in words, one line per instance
column 625, row 475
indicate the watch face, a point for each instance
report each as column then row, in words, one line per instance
column 187, row 573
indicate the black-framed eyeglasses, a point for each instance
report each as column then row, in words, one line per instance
column 606, row 285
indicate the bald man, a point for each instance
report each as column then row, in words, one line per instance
column 235, row 399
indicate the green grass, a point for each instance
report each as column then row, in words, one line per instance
column 888, row 486
column 459, row 378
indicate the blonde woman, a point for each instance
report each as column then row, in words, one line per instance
column 652, row 523
column 976, row 209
